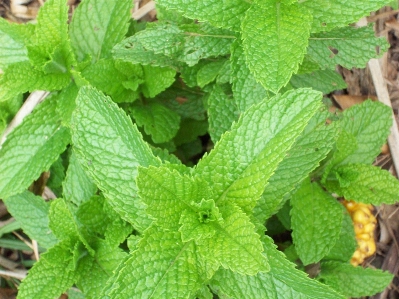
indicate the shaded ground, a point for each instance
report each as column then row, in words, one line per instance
column 360, row 87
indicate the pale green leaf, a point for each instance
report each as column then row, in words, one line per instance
column 226, row 14
column 105, row 76
column 244, row 159
column 246, row 90
column 275, row 36
column 338, row 13
column 347, row 46
column 167, row 194
column 50, row 43
column 346, row 244
column 221, row 113
column 66, row 103
column 31, row 148
column 283, row 281
column 158, row 121
column 111, row 148
column 95, row 271
column 97, row 26
column 354, row 281
column 316, row 221
column 13, row 42
column 157, row 79
column 52, row 275
column 365, row 183
column 369, row 123
column 209, row 72
column 311, row 147
column 21, row 77
column 198, row 222
column 161, row 267
column 32, row 213
column 236, row 245
column 325, row 81
column 77, row 187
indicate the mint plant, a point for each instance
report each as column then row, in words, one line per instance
column 140, row 211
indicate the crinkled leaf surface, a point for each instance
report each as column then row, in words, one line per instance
column 275, row 36
column 111, row 148
column 167, row 193
column 325, row 81
column 316, row 221
column 235, row 244
column 161, row 267
column 95, row 271
column 243, row 160
column 347, row 46
column 369, row 123
column 97, row 26
column 221, row 112
column 31, row 148
column 208, row 73
column 157, row 79
column 232, row 11
column 246, row 90
column 32, row 213
column 338, row 13
column 77, row 186
column 52, row 275
column 354, row 281
column 310, row 148
column 21, row 77
column 283, row 281
column 12, row 42
column 346, row 244
column 364, row 183
column 158, row 121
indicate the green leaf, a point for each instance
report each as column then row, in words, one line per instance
column 106, row 76
column 21, row 77
column 157, row 79
column 370, row 124
column 31, row 148
column 209, row 72
column 77, row 187
column 338, row 13
column 325, row 81
column 158, row 121
column 50, row 44
column 52, row 275
column 95, row 271
column 283, row 281
column 225, row 14
column 246, row 90
column 221, row 113
column 354, row 281
column 275, row 36
column 167, row 194
column 97, row 26
column 32, row 213
column 311, row 147
column 316, row 220
column 244, row 159
column 13, row 42
column 347, row 46
column 235, row 245
column 66, row 103
column 161, row 267
column 64, row 224
column 365, row 183
column 196, row 223
column 346, row 244
column 111, row 148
